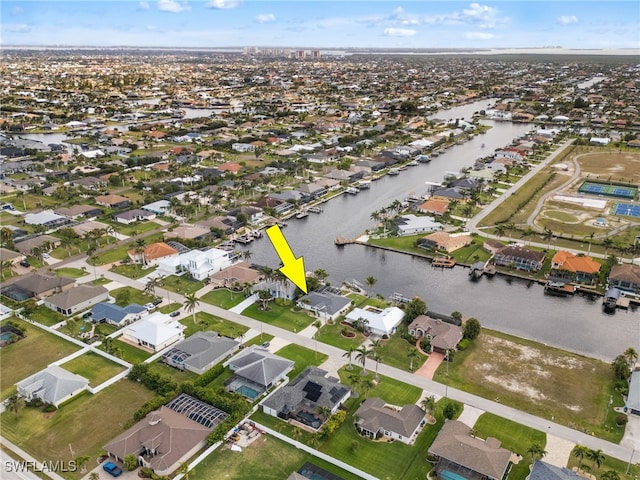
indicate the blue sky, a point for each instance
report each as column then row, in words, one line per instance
column 323, row 24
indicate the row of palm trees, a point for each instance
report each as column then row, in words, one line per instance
column 363, row 353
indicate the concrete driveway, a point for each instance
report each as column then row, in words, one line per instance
column 428, row 369
column 631, row 436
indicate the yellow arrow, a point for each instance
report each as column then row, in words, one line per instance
column 292, row 267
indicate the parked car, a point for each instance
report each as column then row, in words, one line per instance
column 112, row 469
column 25, row 263
column 265, row 344
column 46, row 255
column 157, row 302
column 174, row 314
column 149, row 306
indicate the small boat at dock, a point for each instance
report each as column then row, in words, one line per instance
column 244, row 239
column 302, row 214
column 364, row 184
column 352, row 190
column 413, row 163
column 315, row 209
column 423, row 158
column 476, row 270
column 394, row 171
column 559, row 288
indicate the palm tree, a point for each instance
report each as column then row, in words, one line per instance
column 607, row 243
column 152, row 284
column 355, row 380
column 499, row 229
column 370, row 281
column 547, row 234
column 15, row 402
column 295, row 433
column 412, row 353
column 361, row 356
column 610, row 475
column 536, row 451
column 580, row 451
column 5, row 265
column 314, row 440
column 376, row 357
column 6, row 236
column 191, row 302
column 590, row 237
column 597, row 458
column 246, row 255
column 349, row 353
column 429, row 404
column 184, row 470
column 94, row 476
column 81, row 462
column 631, row 356
column 367, row 384
column 324, row 411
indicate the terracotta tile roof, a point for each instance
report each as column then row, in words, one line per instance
column 434, row 205
column 574, row 263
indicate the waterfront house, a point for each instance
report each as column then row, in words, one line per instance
column 445, row 241
column 236, row 275
column 435, row 206
column 471, row 457
column 304, row 395
column 200, row 264
column 277, row 288
column 155, row 332
column 411, row 225
column 256, row 370
column 625, row 277
column 520, row 258
column 200, row 352
column 492, row 246
column 190, row 232
column 116, row 315
column 76, row 299
column 377, row 322
column 567, row 267
column 374, row 419
column 252, row 214
column 52, row 385
column 442, row 335
column 153, row 254
column 325, row 304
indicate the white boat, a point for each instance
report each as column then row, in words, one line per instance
column 413, row 163
column 394, row 171
column 302, row 214
column 364, row 184
column 352, row 190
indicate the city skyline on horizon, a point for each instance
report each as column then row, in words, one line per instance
column 322, row 24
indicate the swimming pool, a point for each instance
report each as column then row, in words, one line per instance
column 447, row 475
column 248, row 392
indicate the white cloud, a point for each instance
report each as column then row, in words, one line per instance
column 567, row 20
column 144, row 6
column 172, row 6
column 265, row 18
column 222, row 4
column 399, row 32
column 398, row 10
column 16, row 27
column 16, row 11
column 479, row 36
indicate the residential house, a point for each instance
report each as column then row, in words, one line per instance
column 200, row 352
column 135, row 215
column 520, row 258
column 435, row 206
column 168, row 437
column 567, row 267
column 47, row 219
column 52, row 385
column 76, row 212
column 471, row 457
column 443, row 336
column 243, row 147
column 189, row 232
column 374, row 419
column 161, row 207
column 256, row 370
column 200, row 264
column 41, row 286
column 232, row 168
column 252, row 214
column 46, row 242
column 154, row 332
column 448, row 242
column 301, row 398
column 115, row 202
column 378, row 322
column 153, row 254
column 492, row 246
column 325, row 304
column 277, row 288
column 89, row 183
column 311, row 191
column 7, row 255
column 625, row 277
column 116, row 315
column 76, row 299
column 545, row 471
column 236, row 275
column 411, row 225
column 632, row 405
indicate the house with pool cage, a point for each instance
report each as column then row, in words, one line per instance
column 200, row 352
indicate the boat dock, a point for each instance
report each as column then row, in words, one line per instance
column 559, row 288
column 443, row 262
column 399, row 298
column 340, row 241
column 316, row 209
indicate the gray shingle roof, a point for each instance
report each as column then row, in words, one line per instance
column 38, row 283
column 372, row 415
column 333, row 303
column 260, row 366
column 545, row 471
column 52, row 384
column 204, row 347
column 77, row 295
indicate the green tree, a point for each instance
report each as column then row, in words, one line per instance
column 362, row 355
column 580, row 451
column 81, row 462
column 610, row 475
column 94, row 476
column 471, row 328
column 191, row 303
column 536, row 451
column 415, row 307
column 15, row 403
column 130, row 462
column 370, row 281
column 429, row 404
column 412, row 353
column 449, row 411
column 597, row 458
column 631, row 356
column 620, row 368
column 349, row 353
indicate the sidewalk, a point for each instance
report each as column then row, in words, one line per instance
column 244, row 304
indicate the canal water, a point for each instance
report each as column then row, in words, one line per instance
column 509, row 305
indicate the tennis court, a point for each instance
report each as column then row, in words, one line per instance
column 609, row 190
column 626, row 209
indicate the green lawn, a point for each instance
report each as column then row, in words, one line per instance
column 130, row 295
column 623, row 468
column 170, row 308
column 46, row 316
column 578, row 396
column 360, row 301
column 135, row 228
column 130, row 353
column 173, row 373
column 302, row 356
column 71, row 272
column 85, row 424
column 181, row 285
column 206, row 321
column 514, row 437
column 93, row 367
column 404, row 244
column 266, row 459
column 223, row 298
column 259, row 339
column 133, row 271
column 395, row 350
column 280, row 316
column 101, row 281
column 120, row 252
column 331, row 334
column 39, row 347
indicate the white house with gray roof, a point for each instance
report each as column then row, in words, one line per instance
column 155, row 332
column 52, row 385
column 375, row 418
column 256, row 370
column 76, row 299
column 200, row 352
column 324, row 304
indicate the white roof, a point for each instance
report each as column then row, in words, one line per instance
column 385, row 320
column 42, row 217
column 156, row 329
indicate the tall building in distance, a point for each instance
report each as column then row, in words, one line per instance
column 283, row 52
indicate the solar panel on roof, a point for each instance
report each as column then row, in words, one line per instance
column 313, row 395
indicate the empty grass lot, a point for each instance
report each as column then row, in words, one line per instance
column 223, row 298
column 132, row 295
column 514, row 437
column 171, row 372
column 172, row 307
column 132, row 271
column 46, row 316
column 302, row 356
column 280, row 316
column 539, row 379
column 93, row 367
column 206, row 321
column 40, row 347
column 259, row 339
column 267, row 459
column 181, row 285
column 130, row 353
column 85, row 424
column 71, row 272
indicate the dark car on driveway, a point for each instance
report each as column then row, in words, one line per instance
column 174, row 314
column 112, row 469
